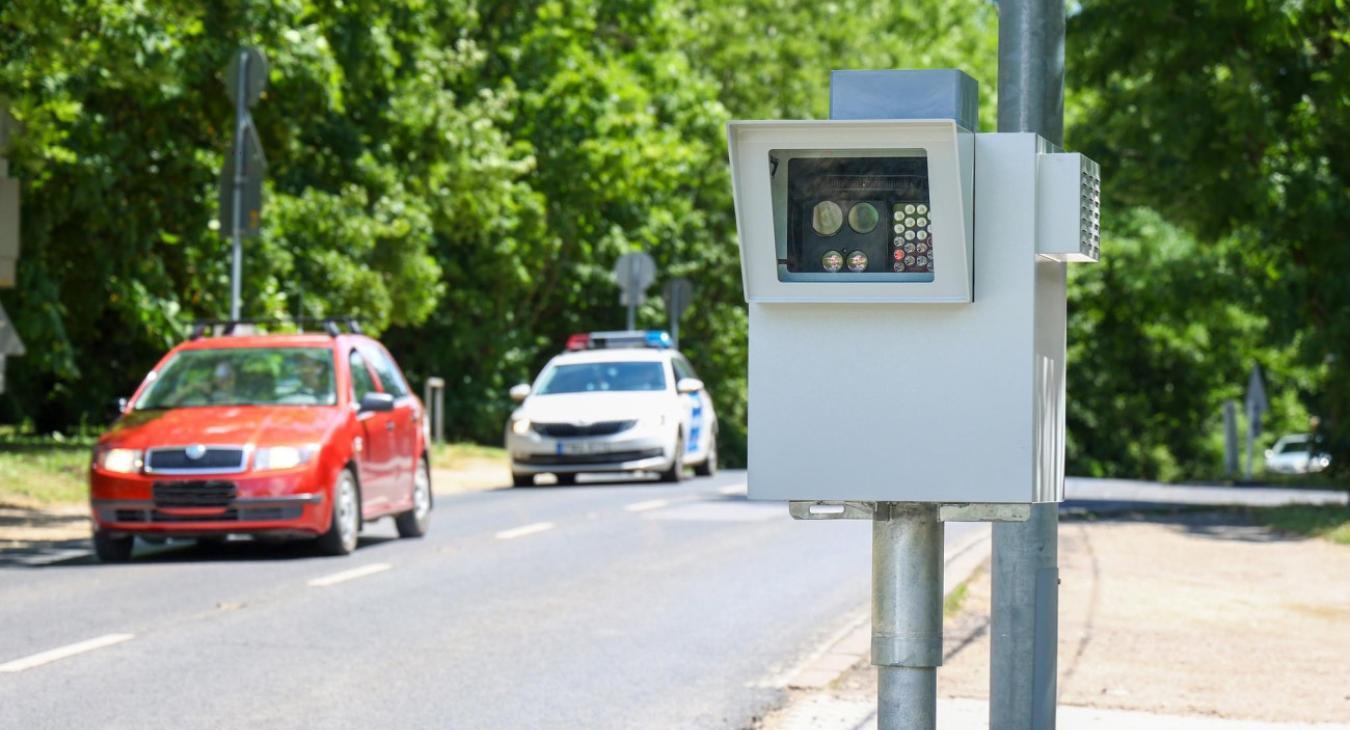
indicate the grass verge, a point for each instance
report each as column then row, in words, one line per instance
column 1331, row 522
column 452, row 456
column 40, row 471
column 951, row 605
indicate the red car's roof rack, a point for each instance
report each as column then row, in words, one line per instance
column 330, row 325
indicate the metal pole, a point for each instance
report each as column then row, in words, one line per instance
column 237, row 214
column 906, row 614
column 675, row 330
column 1230, row 438
column 433, row 399
column 632, row 273
column 439, row 424
column 1025, row 612
column 1251, row 434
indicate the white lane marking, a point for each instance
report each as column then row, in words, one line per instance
column 54, row 556
column 524, row 530
column 649, row 504
column 352, row 574
column 47, row 657
column 732, row 489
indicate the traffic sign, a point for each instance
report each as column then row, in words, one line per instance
column 255, row 167
column 253, row 79
column 1256, row 392
column 10, row 344
column 677, row 294
column 634, row 272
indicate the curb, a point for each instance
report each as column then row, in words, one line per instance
column 853, row 643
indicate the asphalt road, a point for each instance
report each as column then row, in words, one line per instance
column 597, row 606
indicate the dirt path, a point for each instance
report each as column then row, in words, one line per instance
column 1199, row 615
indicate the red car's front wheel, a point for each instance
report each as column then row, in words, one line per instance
column 346, row 521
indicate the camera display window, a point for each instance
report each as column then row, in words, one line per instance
column 851, row 216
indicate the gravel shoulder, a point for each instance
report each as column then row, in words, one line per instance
column 1198, row 618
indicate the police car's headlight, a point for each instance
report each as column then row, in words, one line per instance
column 520, row 426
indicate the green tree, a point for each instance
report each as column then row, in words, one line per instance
column 1156, row 344
column 1237, row 127
column 125, row 122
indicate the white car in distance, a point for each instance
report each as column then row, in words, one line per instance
column 1293, row 454
column 613, row 402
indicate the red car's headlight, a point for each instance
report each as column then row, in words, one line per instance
column 283, row 457
column 120, row 461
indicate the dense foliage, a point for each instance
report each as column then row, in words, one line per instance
column 1237, row 128
column 462, row 174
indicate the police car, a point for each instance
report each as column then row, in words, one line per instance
column 613, row 402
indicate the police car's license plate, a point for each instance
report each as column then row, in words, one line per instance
column 582, row 447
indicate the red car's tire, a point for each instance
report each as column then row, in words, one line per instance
column 111, row 549
column 345, row 524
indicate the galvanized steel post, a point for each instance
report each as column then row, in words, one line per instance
column 906, row 613
column 1025, row 620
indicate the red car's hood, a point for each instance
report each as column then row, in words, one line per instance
column 232, row 425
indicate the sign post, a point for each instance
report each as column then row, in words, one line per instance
column 678, row 295
column 1257, row 404
column 634, row 272
column 9, row 203
column 241, row 178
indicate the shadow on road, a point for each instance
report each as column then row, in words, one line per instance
column 1220, row 523
column 77, row 553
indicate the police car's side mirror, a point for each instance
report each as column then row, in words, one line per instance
column 688, row 385
column 520, row 391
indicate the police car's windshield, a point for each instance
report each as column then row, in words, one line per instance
column 244, row 376
column 602, row 377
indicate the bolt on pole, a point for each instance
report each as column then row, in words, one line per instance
column 906, row 613
column 1025, row 611
column 237, row 237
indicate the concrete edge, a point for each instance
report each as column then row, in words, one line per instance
column 852, row 643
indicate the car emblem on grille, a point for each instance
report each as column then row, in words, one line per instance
column 195, row 451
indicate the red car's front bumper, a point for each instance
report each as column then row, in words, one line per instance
column 286, row 503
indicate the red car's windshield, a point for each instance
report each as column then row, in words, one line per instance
column 244, row 376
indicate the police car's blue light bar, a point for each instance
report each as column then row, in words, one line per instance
column 658, row 339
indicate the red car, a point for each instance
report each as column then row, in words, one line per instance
column 299, row 435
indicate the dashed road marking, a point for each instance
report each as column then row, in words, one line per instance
column 524, row 530
column 352, row 574
column 732, row 489
column 47, row 657
column 649, row 504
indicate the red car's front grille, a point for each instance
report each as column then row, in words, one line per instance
column 249, row 514
column 194, row 494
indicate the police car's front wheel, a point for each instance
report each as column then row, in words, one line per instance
column 708, row 466
column 676, row 471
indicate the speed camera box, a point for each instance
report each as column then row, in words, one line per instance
column 906, row 334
